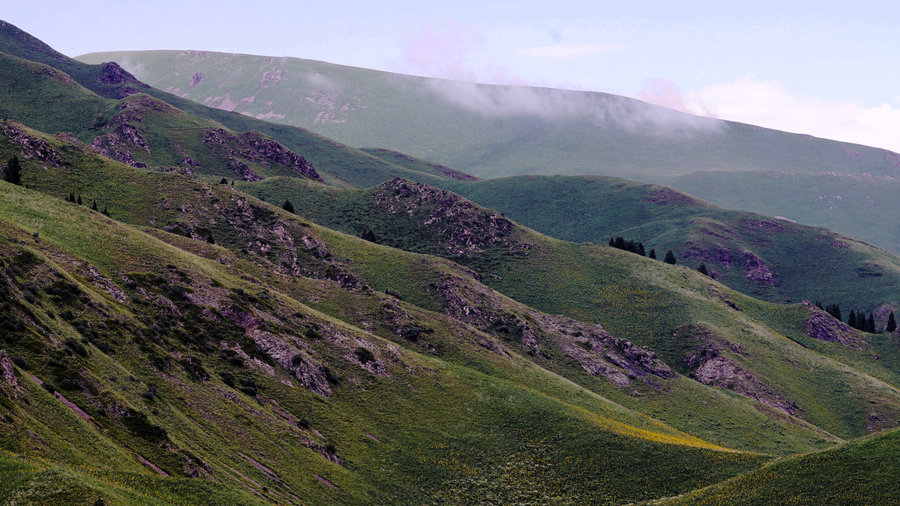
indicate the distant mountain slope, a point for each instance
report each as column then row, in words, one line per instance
column 338, row 164
column 859, row 205
column 494, row 131
column 488, row 131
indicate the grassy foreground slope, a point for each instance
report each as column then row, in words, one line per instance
column 153, row 361
column 285, row 253
column 860, row 472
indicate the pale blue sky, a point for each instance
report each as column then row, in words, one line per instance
column 828, row 69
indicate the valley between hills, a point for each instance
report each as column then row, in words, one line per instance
column 199, row 306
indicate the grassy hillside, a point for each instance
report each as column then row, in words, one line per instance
column 624, row 292
column 861, row 472
column 109, row 325
column 861, row 206
column 492, row 131
column 488, row 131
column 268, row 247
column 775, row 260
column 337, row 163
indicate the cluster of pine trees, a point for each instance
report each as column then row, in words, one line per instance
column 858, row 319
column 637, row 248
column 77, row 200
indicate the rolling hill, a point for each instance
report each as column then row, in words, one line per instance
column 495, row 131
column 196, row 342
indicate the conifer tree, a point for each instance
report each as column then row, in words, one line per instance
column 105, row 210
column 870, row 323
column 670, row 257
column 94, row 206
column 891, row 323
column 288, row 206
column 79, row 200
column 702, row 269
column 851, row 320
column 640, row 249
column 652, row 254
column 13, row 171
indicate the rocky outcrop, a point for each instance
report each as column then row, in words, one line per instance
column 118, row 144
column 195, row 79
column 710, row 364
column 112, row 73
column 755, row 269
column 540, row 335
column 821, row 325
column 32, row 148
column 9, row 385
column 256, row 148
column 459, row 227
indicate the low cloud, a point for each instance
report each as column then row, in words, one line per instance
column 569, row 51
column 770, row 104
column 546, row 103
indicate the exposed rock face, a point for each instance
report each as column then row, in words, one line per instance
column 669, row 197
column 195, row 79
column 757, row 270
column 256, row 148
column 118, row 144
column 9, row 385
column 460, row 227
column 33, row 148
column 112, row 73
column 710, row 365
column 538, row 334
column 821, row 325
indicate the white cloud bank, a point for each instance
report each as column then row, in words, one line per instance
column 770, row 104
column 569, row 51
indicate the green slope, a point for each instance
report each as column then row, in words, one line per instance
column 487, row 130
column 861, row 472
column 270, row 248
column 148, row 377
column 337, row 163
column 858, row 205
column 492, row 131
column 676, row 311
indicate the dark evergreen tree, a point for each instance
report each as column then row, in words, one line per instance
column 13, row 171
column 870, row 323
column 94, row 205
column 670, row 257
column 652, row 254
column 288, row 206
column 891, row 323
column 702, row 269
column 210, row 239
column 367, row 234
column 79, row 200
column 837, row 311
column 612, row 242
column 819, row 305
column 640, row 249
column 71, row 198
column 105, row 210
column 851, row 320
column 223, row 181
